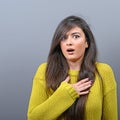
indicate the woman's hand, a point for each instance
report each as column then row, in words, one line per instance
column 82, row 87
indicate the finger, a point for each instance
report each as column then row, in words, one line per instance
column 84, row 92
column 67, row 79
column 86, row 83
column 82, row 81
column 82, row 88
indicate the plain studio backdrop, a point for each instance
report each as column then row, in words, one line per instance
column 26, row 31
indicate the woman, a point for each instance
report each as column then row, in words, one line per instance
column 72, row 85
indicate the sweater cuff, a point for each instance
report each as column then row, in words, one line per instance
column 72, row 92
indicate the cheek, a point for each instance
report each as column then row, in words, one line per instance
column 81, row 48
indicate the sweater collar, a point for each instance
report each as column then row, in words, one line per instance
column 73, row 72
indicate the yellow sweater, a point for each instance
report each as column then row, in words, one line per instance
column 101, row 103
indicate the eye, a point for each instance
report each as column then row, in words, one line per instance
column 76, row 36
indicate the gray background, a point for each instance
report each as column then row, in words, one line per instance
column 26, row 30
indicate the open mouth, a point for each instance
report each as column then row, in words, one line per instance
column 70, row 50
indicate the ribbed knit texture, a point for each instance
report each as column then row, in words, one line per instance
column 101, row 103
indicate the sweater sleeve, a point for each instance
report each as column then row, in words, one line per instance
column 110, row 110
column 42, row 107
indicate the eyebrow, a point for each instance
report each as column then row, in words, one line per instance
column 75, row 33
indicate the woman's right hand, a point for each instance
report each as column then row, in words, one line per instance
column 82, row 87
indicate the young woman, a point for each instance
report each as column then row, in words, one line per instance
column 72, row 85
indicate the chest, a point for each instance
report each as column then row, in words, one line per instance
column 94, row 101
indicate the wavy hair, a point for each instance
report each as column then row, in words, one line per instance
column 57, row 67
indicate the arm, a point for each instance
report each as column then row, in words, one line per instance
column 43, row 108
column 110, row 110
column 110, row 106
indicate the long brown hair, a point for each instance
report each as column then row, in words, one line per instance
column 57, row 67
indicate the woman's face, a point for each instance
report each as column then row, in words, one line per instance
column 73, row 45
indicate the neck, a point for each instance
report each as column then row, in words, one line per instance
column 74, row 65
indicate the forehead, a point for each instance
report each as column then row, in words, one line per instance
column 75, row 30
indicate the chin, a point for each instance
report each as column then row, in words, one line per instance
column 72, row 60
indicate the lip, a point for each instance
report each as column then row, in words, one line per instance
column 70, row 51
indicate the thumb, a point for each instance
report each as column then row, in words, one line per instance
column 67, row 79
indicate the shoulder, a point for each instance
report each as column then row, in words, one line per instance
column 107, row 74
column 101, row 65
column 40, row 73
column 42, row 65
column 104, row 67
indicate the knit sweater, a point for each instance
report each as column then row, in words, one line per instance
column 100, row 105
